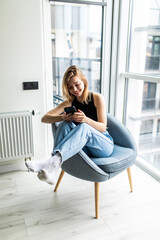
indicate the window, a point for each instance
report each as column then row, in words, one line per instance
column 158, row 127
column 76, row 40
column 153, row 53
column 146, row 127
column 143, row 82
column 149, row 96
column 145, row 37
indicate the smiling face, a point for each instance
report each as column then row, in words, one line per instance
column 76, row 87
column 75, row 84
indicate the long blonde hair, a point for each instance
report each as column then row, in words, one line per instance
column 73, row 71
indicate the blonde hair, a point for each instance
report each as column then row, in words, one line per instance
column 71, row 72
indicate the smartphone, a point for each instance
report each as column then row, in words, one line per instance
column 70, row 110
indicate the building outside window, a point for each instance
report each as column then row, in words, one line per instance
column 149, row 96
column 76, row 40
column 143, row 102
column 153, row 53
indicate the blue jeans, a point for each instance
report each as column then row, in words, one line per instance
column 71, row 138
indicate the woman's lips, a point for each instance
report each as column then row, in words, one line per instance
column 76, row 93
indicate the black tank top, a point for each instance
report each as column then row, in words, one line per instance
column 89, row 109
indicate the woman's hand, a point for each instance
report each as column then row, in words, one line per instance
column 67, row 117
column 79, row 117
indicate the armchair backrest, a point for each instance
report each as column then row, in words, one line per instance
column 120, row 133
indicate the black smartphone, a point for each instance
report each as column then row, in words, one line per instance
column 70, row 110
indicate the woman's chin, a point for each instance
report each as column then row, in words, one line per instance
column 78, row 94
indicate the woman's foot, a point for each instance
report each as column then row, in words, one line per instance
column 43, row 175
column 50, row 165
column 34, row 166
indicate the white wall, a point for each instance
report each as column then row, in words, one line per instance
column 22, row 58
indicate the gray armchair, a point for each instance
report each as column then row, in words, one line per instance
column 86, row 168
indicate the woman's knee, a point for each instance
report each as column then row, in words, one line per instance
column 62, row 130
column 85, row 127
column 65, row 127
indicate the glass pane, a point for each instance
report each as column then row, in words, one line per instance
column 149, row 96
column 89, row 2
column 143, row 119
column 76, row 40
column 145, row 37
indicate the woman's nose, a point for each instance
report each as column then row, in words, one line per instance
column 74, row 88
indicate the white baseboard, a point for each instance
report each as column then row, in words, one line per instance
column 13, row 165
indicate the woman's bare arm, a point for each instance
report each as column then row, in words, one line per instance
column 55, row 115
column 101, row 124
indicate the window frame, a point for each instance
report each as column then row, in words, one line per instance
column 123, row 78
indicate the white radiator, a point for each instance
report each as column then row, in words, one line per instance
column 16, row 135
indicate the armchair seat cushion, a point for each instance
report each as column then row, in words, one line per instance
column 119, row 160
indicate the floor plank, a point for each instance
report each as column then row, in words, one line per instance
column 31, row 210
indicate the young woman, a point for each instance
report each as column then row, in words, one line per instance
column 85, row 129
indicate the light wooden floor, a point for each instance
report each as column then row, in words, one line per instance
column 30, row 210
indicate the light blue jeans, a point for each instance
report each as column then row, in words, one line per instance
column 71, row 138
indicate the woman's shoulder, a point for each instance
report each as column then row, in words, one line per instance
column 98, row 99
column 97, row 96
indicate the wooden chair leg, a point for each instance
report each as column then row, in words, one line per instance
column 130, row 178
column 96, row 199
column 59, row 180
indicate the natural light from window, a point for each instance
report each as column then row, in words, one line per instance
column 143, row 97
column 76, row 40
